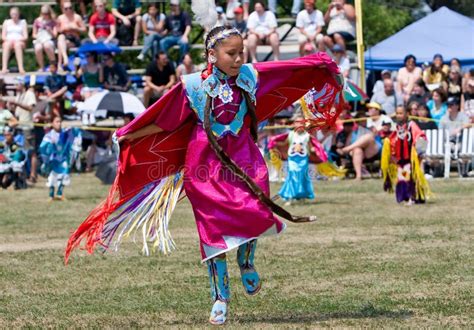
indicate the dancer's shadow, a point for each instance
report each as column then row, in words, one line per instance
column 367, row 311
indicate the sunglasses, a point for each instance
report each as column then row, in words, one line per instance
column 67, row 8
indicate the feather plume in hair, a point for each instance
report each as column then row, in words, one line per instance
column 205, row 12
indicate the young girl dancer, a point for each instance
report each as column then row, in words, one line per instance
column 56, row 151
column 203, row 133
column 400, row 161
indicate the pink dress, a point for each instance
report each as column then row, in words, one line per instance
column 226, row 211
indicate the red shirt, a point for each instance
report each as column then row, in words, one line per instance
column 102, row 25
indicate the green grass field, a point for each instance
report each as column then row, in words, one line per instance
column 367, row 262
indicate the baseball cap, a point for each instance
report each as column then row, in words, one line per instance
column 238, row 10
column 219, row 10
column 453, row 100
column 386, row 72
column 174, row 2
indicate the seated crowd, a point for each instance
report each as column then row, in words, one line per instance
column 437, row 95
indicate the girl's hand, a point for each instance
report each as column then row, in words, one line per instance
column 127, row 137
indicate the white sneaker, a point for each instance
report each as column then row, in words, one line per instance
column 85, row 119
column 140, row 57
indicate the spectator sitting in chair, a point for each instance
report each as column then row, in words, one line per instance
column 310, row 22
column 127, row 13
column 159, row 78
column 177, row 29
column 340, row 18
column 359, row 144
column 407, row 77
column 115, row 76
column 420, row 93
column 187, row 67
column 389, row 99
column 378, row 86
column 261, row 27
column 102, row 26
column 436, row 73
column 377, row 120
column 454, row 121
column 437, row 105
column 55, row 87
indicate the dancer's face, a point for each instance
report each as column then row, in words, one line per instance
column 401, row 115
column 229, row 55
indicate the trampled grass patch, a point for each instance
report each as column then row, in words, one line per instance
column 367, row 262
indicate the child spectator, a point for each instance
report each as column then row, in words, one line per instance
column 153, row 23
column 44, row 35
column 102, row 27
column 6, row 117
column 127, row 13
column 310, row 22
column 177, row 29
column 261, row 27
column 70, row 26
column 14, row 36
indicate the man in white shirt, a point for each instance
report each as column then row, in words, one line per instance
column 389, row 99
column 261, row 27
column 453, row 120
column 310, row 22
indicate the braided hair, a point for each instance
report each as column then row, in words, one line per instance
column 219, row 151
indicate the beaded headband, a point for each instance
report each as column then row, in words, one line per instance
column 220, row 36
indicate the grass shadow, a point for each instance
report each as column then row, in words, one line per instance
column 366, row 311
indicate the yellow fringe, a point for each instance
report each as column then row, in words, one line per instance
column 330, row 170
column 422, row 187
column 155, row 212
column 304, row 107
column 389, row 170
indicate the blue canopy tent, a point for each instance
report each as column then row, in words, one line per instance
column 444, row 31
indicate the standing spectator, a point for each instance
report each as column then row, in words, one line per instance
column 261, row 27
column 340, row 18
column 424, row 124
column 454, row 120
column 453, row 85
column 467, row 100
column 341, row 60
column 153, row 23
column 159, row 78
column 92, row 75
column 378, row 86
column 389, row 99
column 55, row 88
column 420, row 93
column 310, row 21
column 70, row 26
column 127, row 13
column 14, row 36
column 187, row 67
column 115, row 76
column 436, row 73
column 44, row 35
column 102, row 27
column 241, row 25
column 437, row 105
column 177, row 29
column 407, row 76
